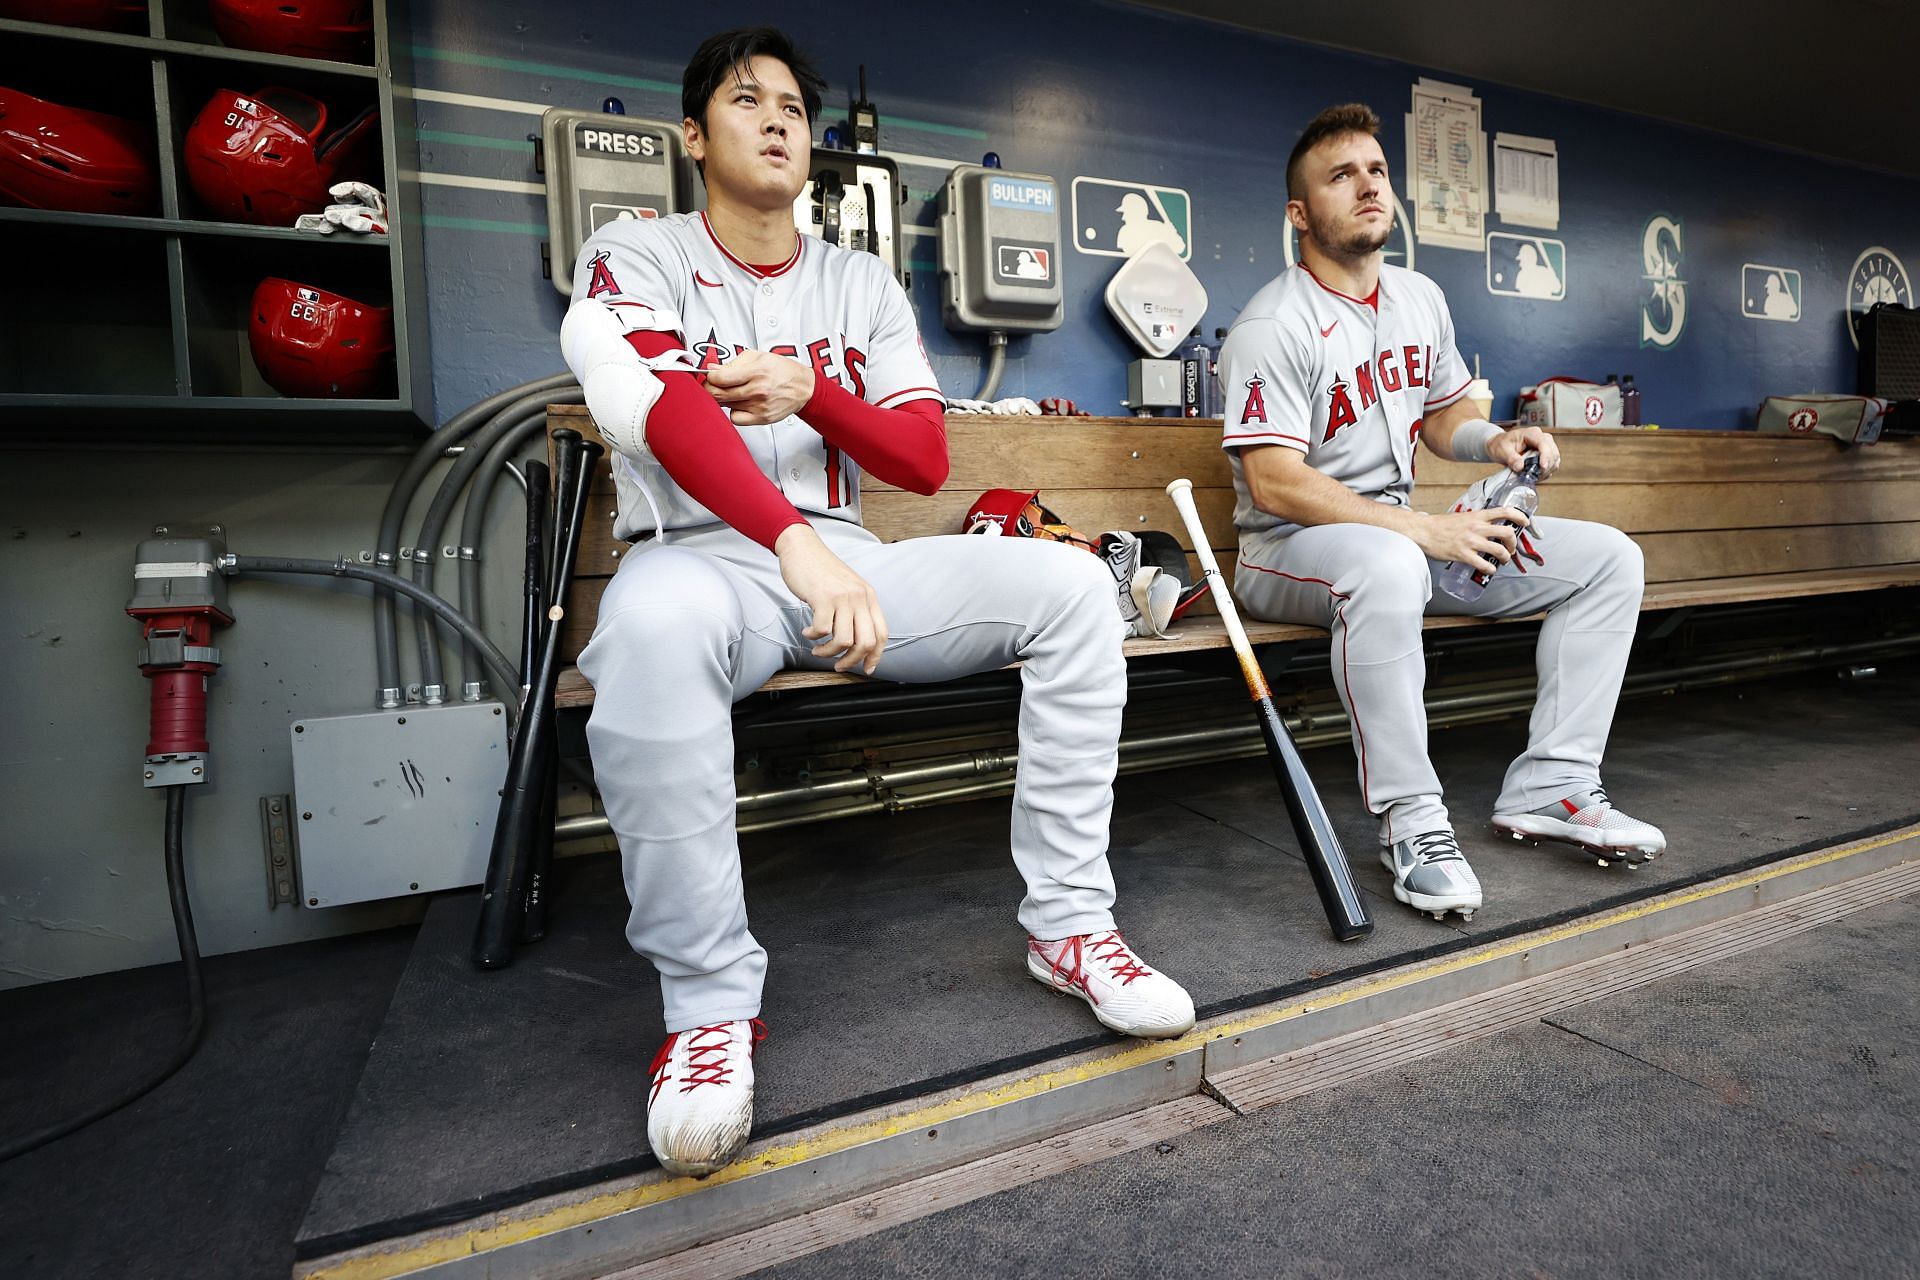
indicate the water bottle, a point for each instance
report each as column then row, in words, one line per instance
column 1629, row 402
column 1519, row 490
column 1196, row 367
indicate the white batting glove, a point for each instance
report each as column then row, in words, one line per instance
column 355, row 217
column 361, row 194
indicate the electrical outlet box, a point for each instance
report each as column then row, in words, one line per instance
column 388, row 803
column 1000, row 251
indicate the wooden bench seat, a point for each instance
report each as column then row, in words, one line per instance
column 1723, row 517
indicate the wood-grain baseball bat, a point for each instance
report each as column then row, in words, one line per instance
column 1346, row 914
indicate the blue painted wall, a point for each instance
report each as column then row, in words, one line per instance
column 1086, row 88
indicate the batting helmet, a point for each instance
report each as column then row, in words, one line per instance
column 101, row 15
column 57, row 157
column 312, row 343
column 338, row 29
column 268, row 158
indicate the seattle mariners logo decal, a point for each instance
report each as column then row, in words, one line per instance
column 603, row 281
column 1663, row 312
column 1256, row 410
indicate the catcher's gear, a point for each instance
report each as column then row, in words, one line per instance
column 268, row 158
column 60, row 157
column 312, row 343
column 341, row 30
column 101, row 15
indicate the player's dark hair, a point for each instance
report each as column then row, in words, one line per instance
column 729, row 53
column 1334, row 122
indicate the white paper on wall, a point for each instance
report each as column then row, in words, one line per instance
column 1447, row 166
column 1526, row 181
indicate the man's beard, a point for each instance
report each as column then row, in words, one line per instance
column 1358, row 243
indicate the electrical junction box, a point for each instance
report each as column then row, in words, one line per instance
column 1000, row 251
column 852, row 200
column 603, row 168
column 388, row 803
column 1155, row 384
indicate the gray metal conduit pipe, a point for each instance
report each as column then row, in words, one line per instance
column 514, row 426
column 989, row 769
column 386, row 649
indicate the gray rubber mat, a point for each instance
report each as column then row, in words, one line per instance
column 1752, row 1118
column 896, row 963
column 209, row 1175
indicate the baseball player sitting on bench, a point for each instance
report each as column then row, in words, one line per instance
column 744, row 377
column 1333, row 372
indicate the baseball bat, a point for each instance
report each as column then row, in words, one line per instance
column 533, row 632
column 503, row 893
column 1346, row 914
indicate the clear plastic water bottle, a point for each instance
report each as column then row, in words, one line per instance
column 1519, row 490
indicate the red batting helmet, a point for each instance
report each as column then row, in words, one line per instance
column 56, row 157
column 338, row 29
column 309, row 342
column 268, row 158
column 101, row 15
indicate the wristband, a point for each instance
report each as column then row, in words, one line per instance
column 1471, row 438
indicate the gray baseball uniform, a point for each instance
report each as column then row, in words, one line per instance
column 698, row 617
column 1348, row 382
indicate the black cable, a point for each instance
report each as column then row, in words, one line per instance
column 196, row 992
column 503, row 671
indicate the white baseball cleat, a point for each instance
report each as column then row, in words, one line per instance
column 1431, row 875
column 700, row 1108
column 1126, row 995
column 1588, row 819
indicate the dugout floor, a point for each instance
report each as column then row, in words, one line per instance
column 363, row 1088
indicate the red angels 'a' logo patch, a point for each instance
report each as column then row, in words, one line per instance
column 1256, row 409
column 602, row 281
column 1339, row 409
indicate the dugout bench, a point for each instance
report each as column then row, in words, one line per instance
column 1723, row 517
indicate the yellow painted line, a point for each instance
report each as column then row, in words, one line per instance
column 479, row 1239
column 1514, row 946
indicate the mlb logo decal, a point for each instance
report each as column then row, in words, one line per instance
column 1025, row 262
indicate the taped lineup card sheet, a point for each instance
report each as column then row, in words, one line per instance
column 1526, row 181
column 1447, row 166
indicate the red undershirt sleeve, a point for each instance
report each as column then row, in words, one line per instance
column 701, row 449
column 905, row 446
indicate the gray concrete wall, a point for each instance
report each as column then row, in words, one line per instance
column 82, row 885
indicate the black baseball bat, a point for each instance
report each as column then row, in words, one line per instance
column 533, row 631
column 1346, row 914
column 501, row 899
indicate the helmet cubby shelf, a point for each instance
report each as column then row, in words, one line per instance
column 170, row 187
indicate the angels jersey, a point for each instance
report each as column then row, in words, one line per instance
column 1346, row 381
column 841, row 312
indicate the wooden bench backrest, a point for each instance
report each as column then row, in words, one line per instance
column 1700, row 504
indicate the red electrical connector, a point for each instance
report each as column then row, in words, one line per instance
column 180, row 599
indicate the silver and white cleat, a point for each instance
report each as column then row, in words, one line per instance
column 1589, row 820
column 1431, row 875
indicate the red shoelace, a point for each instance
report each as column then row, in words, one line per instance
column 706, row 1055
column 1109, row 948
